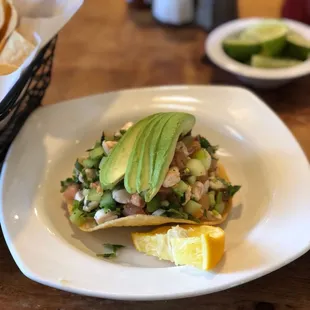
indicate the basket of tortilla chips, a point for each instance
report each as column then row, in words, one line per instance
column 27, row 70
column 24, row 97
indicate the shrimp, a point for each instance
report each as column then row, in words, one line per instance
column 70, row 192
column 130, row 209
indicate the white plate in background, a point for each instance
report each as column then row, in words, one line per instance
column 257, row 77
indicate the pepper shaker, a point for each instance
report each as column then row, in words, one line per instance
column 212, row 13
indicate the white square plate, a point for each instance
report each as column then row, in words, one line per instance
column 268, row 227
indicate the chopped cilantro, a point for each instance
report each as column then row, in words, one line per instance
column 177, row 214
column 102, row 137
column 110, row 250
column 64, row 184
column 78, row 166
column 192, row 218
column 233, row 189
column 207, row 145
column 205, row 213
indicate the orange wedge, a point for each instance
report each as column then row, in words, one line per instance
column 201, row 246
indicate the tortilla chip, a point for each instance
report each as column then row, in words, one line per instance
column 7, row 69
column 2, row 13
column 151, row 220
column 10, row 22
column 16, row 50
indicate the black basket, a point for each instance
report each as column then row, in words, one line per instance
column 25, row 96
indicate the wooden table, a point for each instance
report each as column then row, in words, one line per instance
column 107, row 48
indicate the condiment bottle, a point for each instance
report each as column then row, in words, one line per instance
column 212, row 13
column 173, row 12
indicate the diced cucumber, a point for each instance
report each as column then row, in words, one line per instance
column 212, row 198
column 191, row 180
column 89, row 163
column 93, row 195
column 200, row 154
column 90, row 174
column 85, row 192
column 107, row 200
column 77, row 217
column 165, row 203
column 219, row 207
column 216, row 214
column 219, row 197
column 204, row 156
column 217, row 183
column 96, row 152
column 153, row 205
column 194, row 208
column 196, row 167
column 180, row 188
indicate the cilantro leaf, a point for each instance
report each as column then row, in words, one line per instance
column 110, row 255
column 233, row 189
column 192, row 218
column 64, row 184
column 110, row 250
column 207, row 145
column 177, row 214
column 78, row 166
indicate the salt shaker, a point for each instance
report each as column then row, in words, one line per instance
column 174, row 12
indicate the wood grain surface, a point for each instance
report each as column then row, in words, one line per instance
column 105, row 47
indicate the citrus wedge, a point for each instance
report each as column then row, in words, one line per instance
column 271, row 34
column 260, row 61
column 241, row 50
column 200, row 246
column 297, row 46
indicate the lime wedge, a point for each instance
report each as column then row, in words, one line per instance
column 260, row 61
column 241, row 50
column 272, row 36
column 297, row 46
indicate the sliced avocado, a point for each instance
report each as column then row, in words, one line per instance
column 154, row 145
column 136, row 154
column 150, row 136
column 147, row 161
column 179, row 124
column 113, row 168
column 180, row 188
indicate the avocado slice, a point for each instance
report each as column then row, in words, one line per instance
column 113, row 168
column 150, row 138
column 131, row 174
column 146, row 164
column 179, row 124
column 153, row 147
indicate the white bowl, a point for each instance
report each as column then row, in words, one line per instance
column 261, row 78
column 267, row 228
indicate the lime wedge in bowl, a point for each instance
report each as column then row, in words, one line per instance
column 271, row 35
column 241, row 50
column 297, row 46
column 260, row 61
